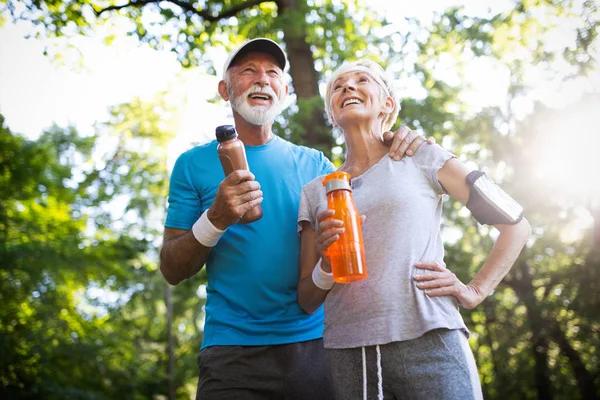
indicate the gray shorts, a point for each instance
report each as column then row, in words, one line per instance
column 436, row 366
column 296, row 371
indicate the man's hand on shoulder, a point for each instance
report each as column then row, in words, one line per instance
column 404, row 142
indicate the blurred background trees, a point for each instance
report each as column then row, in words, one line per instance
column 84, row 311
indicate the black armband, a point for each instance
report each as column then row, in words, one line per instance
column 489, row 204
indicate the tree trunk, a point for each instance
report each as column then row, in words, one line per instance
column 489, row 309
column 525, row 291
column 170, row 343
column 585, row 381
column 305, row 78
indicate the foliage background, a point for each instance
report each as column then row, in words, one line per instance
column 86, row 315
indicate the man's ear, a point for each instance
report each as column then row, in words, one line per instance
column 223, row 90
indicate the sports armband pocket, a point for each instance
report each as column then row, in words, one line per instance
column 489, row 204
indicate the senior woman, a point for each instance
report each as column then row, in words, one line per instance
column 398, row 333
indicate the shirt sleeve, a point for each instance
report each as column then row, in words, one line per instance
column 305, row 212
column 429, row 158
column 327, row 166
column 184, row 201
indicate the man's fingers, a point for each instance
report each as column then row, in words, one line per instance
column 250, row 205
column 237, row 184
column 238, row 176
column 412, row 149
column 408, row 139
column 430, row 140
column 399, row 136
column 252, row 195
column 388, row 138
column 245, row 186
column 241, row 194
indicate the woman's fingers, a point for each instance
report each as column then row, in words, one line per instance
column 443, row 291
column 432, row 266
column 330, row 224
column 327, row 237
column 323, row 215
column 436, row 282
column 329, row 233
column 434, row 275
column 328, row 242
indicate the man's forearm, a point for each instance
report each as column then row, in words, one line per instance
column 182, row 257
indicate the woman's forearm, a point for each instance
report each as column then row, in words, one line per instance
column 310, row 297
column 507, row 248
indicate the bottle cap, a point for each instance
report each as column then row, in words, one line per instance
column 336, row 181
column 225, row 132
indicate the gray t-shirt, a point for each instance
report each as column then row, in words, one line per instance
column 403, row 204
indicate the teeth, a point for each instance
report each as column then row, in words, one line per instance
column 351, row 101
column 260, row 96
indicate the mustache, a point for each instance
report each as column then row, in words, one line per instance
column 262, row 90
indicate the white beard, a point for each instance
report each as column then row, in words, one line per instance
column 256, row 115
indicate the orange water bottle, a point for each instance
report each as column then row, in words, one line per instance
column 347, row 254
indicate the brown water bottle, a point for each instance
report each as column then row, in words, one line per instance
column 347, row 254
column 233, row 157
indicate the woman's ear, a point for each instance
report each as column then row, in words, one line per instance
column 388, row 106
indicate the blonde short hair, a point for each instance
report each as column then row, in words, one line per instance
column 385, row 81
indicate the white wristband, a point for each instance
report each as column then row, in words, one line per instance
column 205, row 232
column 322, row 279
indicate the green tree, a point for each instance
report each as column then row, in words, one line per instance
column 84, row 312
column 537, row 336
column 528, row 337
column 530, row 340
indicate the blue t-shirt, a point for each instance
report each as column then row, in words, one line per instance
column 253, row 270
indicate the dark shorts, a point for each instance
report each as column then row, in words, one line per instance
column 296, row 371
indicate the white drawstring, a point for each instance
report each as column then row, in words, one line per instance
column 364, row 359
column 379, row 375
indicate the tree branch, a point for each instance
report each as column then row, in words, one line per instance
column 136, row 3
column 205, row 14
